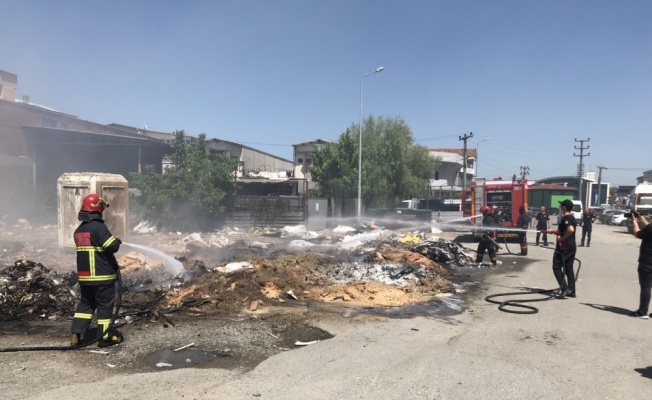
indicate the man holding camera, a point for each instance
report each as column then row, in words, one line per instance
column 643, row 231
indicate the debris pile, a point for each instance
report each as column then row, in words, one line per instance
column 236, row 270
column 446, row 252
column 29, row 290
column 140, row 273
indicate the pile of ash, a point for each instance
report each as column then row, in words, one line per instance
column 30, row 290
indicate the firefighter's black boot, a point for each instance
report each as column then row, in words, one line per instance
column 75, row 339
column 113, row 338
column 582, row 244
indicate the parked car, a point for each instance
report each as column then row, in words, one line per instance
column 618, row 218
column 605, row 217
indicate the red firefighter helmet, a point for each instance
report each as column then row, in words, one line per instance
column 93, row 203
column 485, row 209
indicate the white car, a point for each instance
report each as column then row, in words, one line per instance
column 618, row 218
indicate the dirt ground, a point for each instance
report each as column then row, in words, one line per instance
column 243, row 296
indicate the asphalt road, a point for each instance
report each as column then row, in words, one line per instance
column 583, row 348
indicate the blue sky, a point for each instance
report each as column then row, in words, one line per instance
column 532, row 76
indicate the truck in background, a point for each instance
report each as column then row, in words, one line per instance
column 641, row 202
column 508, row 196
column 430, row 204
column 576, row 212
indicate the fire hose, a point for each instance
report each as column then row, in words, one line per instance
column 84, row 343
column 524, row 308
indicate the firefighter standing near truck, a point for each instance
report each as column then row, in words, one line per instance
column 487, row 241
column 523, row 223
column 97, row 271
column 495, row 212
column 498, row 217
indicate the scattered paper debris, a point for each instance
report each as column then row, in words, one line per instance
column 299, row 343
column 236, row 266
column 163, row 364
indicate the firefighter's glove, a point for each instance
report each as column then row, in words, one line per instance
column 118, row 241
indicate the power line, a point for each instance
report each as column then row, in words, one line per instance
column 630, row 169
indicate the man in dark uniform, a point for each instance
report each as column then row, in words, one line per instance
column 523, row 222
column 496, row 214
column 498, row 218
column 488, row 236
column 643, row 230
column 587, row 226
column 97, row 272
column 543, row 224
column 564, row 257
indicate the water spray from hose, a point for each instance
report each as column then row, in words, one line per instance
column 172, row 265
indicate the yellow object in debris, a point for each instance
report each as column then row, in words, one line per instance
column 411, row 239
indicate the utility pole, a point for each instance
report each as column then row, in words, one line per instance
column 580, row 167
column 600, row 167
column 525, row 170
column 466, row 137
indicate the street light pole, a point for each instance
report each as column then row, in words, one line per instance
column 477, row 156
column 379, row 69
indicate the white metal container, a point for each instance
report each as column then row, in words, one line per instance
column 71, row 190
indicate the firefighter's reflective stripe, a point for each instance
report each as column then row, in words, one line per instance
column 82, row 315
column 98, row 278
column 91, row 250
column 104, row 323
column 91, row 259
column 108, row 242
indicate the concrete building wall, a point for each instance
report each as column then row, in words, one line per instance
column 452, row 162
column 8, row 82
column 303, row 157
column 255, row 161
column 250, row 159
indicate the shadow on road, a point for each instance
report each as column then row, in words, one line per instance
column 645, row 372
column 602, row 307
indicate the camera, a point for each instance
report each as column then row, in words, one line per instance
column 630, row 214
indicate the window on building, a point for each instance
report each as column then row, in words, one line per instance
column 309, row 161
column 300, row 160
column 436, row 175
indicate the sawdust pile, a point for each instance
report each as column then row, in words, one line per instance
column 388, row 277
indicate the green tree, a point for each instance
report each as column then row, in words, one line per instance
column 613, row 195
column 189, row 194
column 393, row 166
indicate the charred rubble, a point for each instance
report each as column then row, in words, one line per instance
column 29, row 290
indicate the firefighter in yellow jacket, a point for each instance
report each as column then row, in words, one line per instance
column 97, row 271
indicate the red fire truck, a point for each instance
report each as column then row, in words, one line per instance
column 508, row 196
